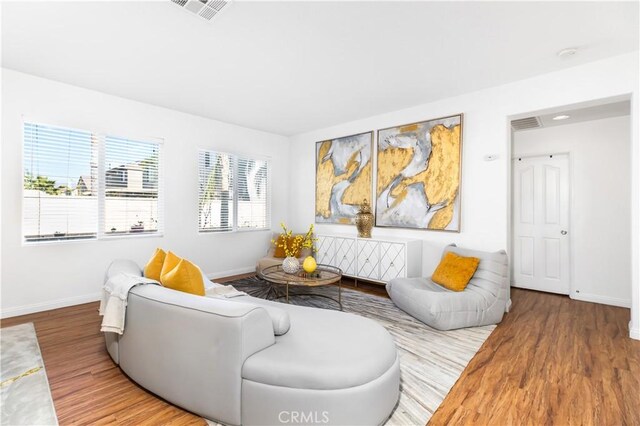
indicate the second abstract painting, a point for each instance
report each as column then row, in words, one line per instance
column 418, row 183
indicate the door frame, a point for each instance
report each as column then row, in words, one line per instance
column 511, row 232
column 546, row 106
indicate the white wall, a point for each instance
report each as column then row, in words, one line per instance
column 41, row 277
column 485, row 185
column 600, row 208
column 57, row 274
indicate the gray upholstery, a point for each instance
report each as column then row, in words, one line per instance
column 280, row 319
column 190, row 349
column 483, row 302
column 223, row 360
column 317, row 354
column 368, row 404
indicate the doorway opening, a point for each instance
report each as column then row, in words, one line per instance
column 570, row 201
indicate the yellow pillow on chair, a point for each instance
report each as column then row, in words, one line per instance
column 153, row 268
column 454, row 272
column 184, row 276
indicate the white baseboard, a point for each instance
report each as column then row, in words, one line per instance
column 634, row 333
column 47, row 306
column 231, row 272
column 605, row 300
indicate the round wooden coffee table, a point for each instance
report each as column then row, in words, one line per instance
column 277, row 278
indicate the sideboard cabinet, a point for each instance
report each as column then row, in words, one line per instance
column 373, row 259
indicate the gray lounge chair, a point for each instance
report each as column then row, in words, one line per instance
column 483, row 302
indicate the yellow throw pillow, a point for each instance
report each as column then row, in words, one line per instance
column 279, row 252
column 454, row 272
column 170, row 262
column 184, row 277
column 153, row 268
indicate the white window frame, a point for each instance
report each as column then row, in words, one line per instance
column 100, row 234
column 235, row 156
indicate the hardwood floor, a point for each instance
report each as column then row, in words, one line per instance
column 551, row 361
column 87, row 387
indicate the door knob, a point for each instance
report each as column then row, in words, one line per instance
column 563, row 232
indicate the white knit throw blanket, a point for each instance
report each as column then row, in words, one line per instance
column 113, row 305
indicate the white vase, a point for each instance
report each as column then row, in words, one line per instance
column 290, row 265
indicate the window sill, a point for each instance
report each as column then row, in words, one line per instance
column 234, row 231
column 89, row 240
column 107, row 237
column 57, row 242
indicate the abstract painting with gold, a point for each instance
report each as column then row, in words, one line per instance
column 343, row 177
column 418, row 183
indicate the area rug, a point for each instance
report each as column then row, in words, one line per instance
column 25, row 394
column 431, row 361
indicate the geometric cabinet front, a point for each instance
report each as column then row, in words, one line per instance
column 379, row 260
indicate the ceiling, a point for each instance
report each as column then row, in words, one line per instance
column 290, row 67
column 596, row 112
column 588, row 111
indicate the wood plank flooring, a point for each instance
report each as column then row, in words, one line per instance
column 551, row 361
column 87, row 387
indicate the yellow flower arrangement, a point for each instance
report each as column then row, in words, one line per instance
column 292, row 245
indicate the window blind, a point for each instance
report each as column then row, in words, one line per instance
column 215, row 191
column 253, row 194
column 79, row 185
column 60, row 200
column 130, row 186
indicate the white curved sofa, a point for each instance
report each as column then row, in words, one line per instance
column 223, row 360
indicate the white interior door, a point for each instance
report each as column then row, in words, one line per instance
column 540, row 223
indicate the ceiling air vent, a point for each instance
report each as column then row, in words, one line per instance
column 526, row 123
column 206, row 9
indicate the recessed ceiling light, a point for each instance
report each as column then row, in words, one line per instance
column 568, row 52
column 561, row 117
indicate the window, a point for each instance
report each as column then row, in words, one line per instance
column 253, row 210
column 59, row 193
column 117, row 177
column 215, row 192
column 130, row 186
column 233, row 193
column 80, row 185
